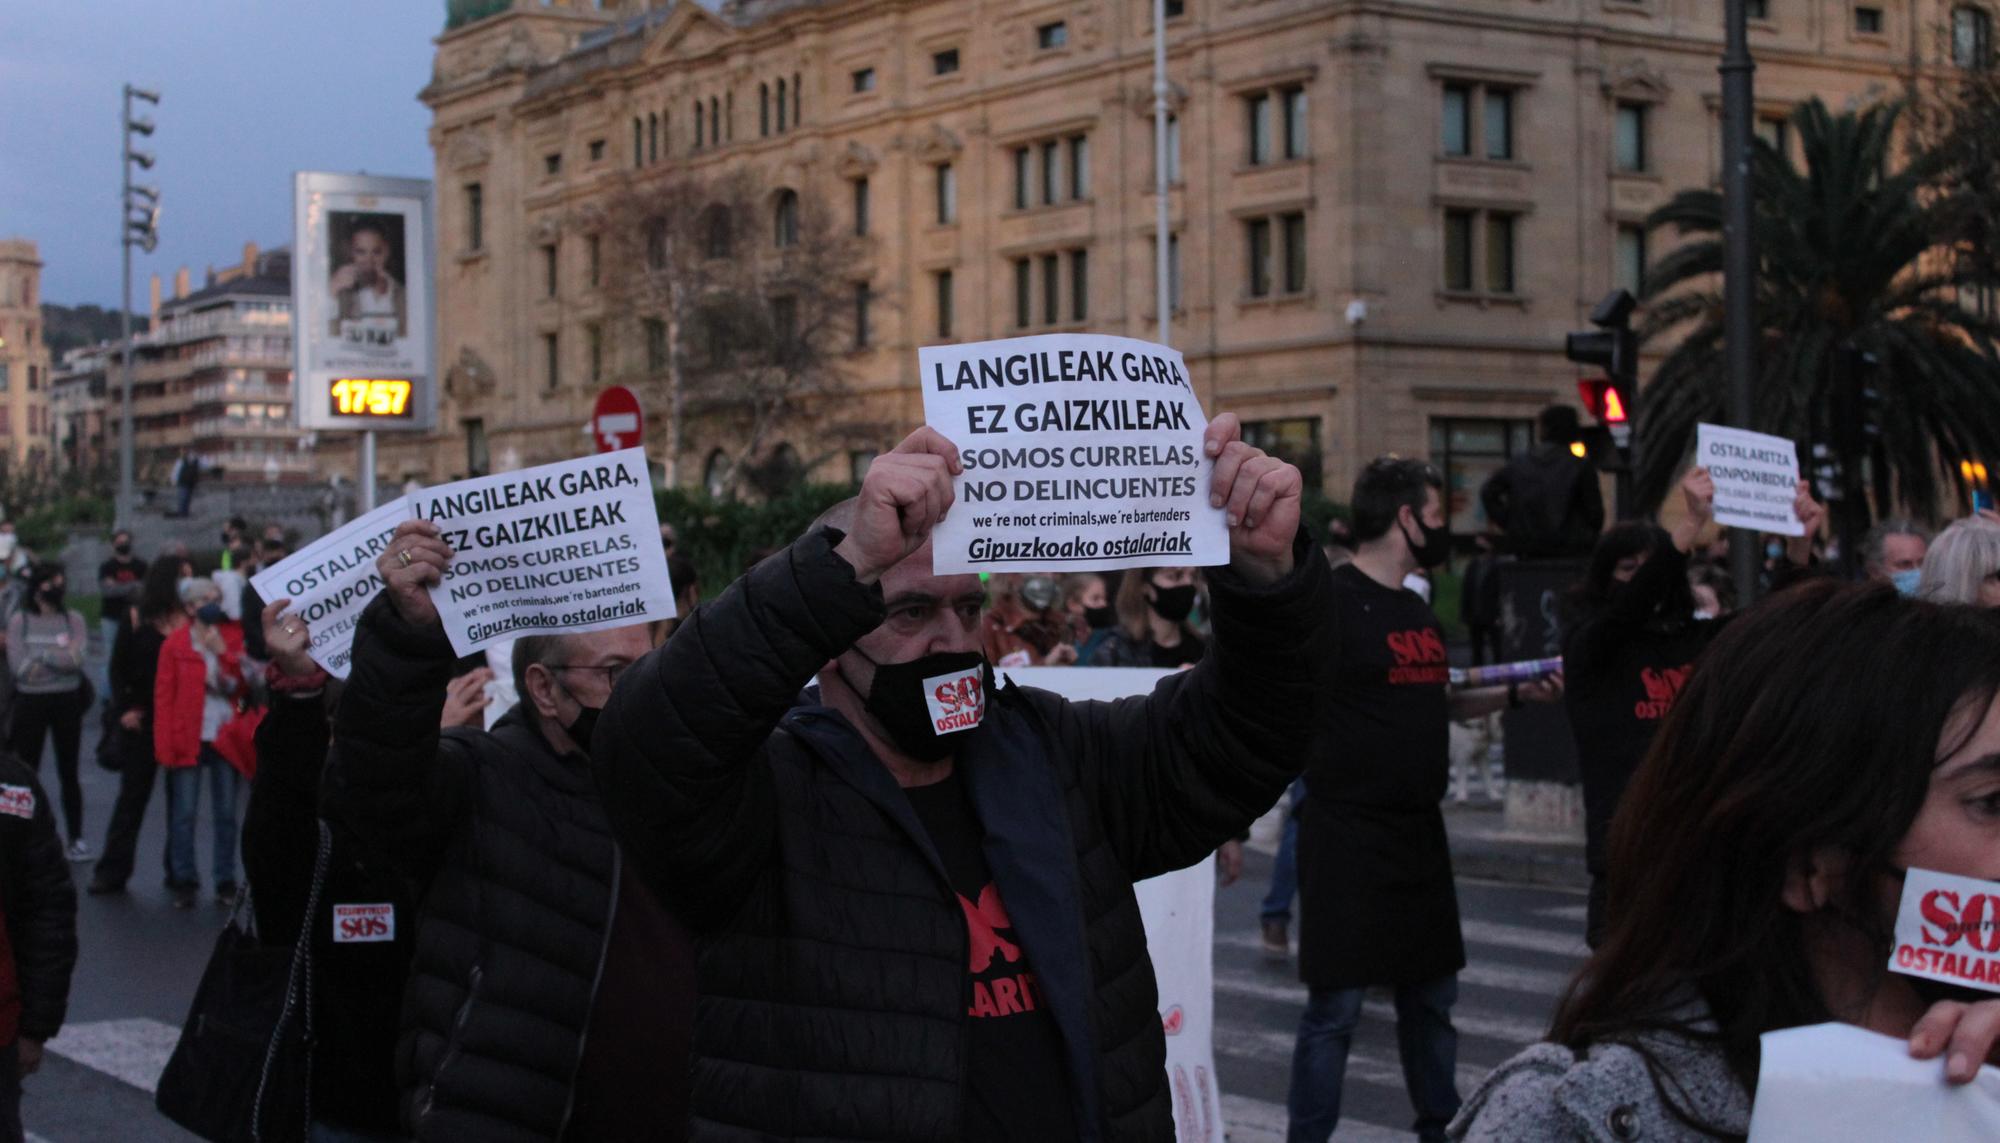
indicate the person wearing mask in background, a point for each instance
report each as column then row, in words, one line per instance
column 1894, row 553
column 46, row 642
column 118, row 582
column 38, row 944
column 363, row 928
column 1791, row 789
column 551, row 994
column 1092, row 619
column 1963, row 564
column 1153, row 628
column 135, row 665
column 1714, row 594
column 1479, row 602
column 1023, row 627
column 1375, row 881
column 272, row 548
column 1546, row 502
column 194, row 697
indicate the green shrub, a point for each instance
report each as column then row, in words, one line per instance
column 45, row 527
column 723, row 537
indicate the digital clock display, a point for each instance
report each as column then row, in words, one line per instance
column 370, row 397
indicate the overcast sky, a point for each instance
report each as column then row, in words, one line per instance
column 252, row 90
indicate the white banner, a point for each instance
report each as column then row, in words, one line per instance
column 1179, row 912
column 1756, row 478
column 1948, row 929
column 330, row 582
column 572, row 546
column 1835, row 1083
column 1081, row 452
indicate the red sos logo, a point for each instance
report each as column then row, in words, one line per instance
column 960, row 694
column 1420, row 646
column 1949, row 918
column 362, row 928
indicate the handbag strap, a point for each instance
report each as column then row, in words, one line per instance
column 298, row 994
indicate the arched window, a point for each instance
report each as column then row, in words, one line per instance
column 715, row 229
column 715, row 475
column 785, row 218
column 1971, row 36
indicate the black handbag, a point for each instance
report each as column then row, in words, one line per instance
column 242, row 1071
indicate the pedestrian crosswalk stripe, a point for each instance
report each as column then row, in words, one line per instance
column 1274, row 1046
column 1524, row 937
column 1504, row 977
column 1577, row 913
column 1468, row 1020
column 1260, row 1121
column 133, row 1050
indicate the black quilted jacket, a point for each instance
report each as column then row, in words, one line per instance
column 39, row 899
column 833, row 960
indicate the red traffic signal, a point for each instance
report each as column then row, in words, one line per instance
column 1603, row 400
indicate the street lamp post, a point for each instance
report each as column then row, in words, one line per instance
column 138, row 225
column 1739, row 257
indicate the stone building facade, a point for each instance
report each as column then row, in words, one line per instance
column 25, row 427
column 1385, row 213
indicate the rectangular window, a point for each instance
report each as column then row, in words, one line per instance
column 864, row 80
column 947, row 195
column 656, row 345
column 593, row 260
column 1456, row 138
column 1054, row 35
column 944, row 303
column 1023, row 176
column 1174, row 271
column 1079, row 166
column 594, row 338
column 1051, row 174
column 552, row 164
column 860, row 208
column 1294, row 227
column 764, row 109
column 1630, row 272
column 1079, row 285
column 700, row 124
column 1173, row 149
column 1176, row 9
column 1867, row 20
column 549, row 275
column 1051, row 289
column 1259, row 243
column 1294, row 100
column 944, row 62
column 638, row 142
column 1499, row 124
column 1259, row 106
column 1776, row 133
column 861, row 298
column 475, row 217
column 551, row 360
column 782, row 108
column 1629, row 144
column 1757, row 9
column 1500, row 253
column 1024, row 293
column 597, row 150
column 1458, row 225
column 1971, row 37
column 1294, row 440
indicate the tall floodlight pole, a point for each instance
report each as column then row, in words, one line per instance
column 138, row 225
column 1739, row 257
column 1161, row 183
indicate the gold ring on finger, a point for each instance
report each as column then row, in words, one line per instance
column 404, row 555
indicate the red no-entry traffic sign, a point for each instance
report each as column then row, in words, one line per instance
column 615, row 421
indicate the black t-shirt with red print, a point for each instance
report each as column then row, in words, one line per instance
column 1388, row 719
column 1016, row 1079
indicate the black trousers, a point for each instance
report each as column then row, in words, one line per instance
column 137, row 772
column 1485, row 643
column 59, row 715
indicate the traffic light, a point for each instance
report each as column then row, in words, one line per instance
column 1614, row 348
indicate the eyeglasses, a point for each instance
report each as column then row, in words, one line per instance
column 611, row 672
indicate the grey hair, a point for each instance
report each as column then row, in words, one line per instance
column 196, row 588
column 1874, row 546
column 1959, row 561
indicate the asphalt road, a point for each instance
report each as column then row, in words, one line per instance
column 141, row 960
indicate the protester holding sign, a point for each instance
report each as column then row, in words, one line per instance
column 1791, row 789
column 914, row 895
column 550, row 994
column 1375, row 882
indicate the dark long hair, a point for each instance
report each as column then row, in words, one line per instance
column 1593, row 594
column 1791, row 738
column 159, row 594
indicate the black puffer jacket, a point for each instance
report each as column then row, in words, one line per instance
column 39, row 900
column 833, row 969
column 520, row 872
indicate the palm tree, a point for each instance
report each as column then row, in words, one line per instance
column 1849, row 270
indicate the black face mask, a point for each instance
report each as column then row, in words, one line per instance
column 122, row 549
column 910, row 699
column 1098, row 618
column 53, row 596
column 1436, row 544
column 582, row 726
column 1173, row 603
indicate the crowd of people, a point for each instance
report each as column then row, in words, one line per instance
column 725, row 876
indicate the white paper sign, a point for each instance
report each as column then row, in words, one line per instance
column 330, row 582
column 1179, row 913
column 572, row 546
column 1948, row 929
column 1835, row 1083
column 1756, row 478
column 364, row 924
column 1081, row 452
column 957, row 700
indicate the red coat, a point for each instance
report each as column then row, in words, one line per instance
column 178, row 691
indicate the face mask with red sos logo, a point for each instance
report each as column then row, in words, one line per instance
column 1948, row 936
column 923, row 703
